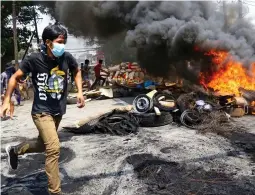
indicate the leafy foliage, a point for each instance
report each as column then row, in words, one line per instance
column 24, row 13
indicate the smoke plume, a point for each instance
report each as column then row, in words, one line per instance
column 164, row 33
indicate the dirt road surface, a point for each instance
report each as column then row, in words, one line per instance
column 162, row 160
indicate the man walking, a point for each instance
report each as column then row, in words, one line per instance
column 98, row 69
column 49, row 70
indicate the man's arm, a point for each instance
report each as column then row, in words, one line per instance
column 73, row 67
column 12, row 85
column 78, row 80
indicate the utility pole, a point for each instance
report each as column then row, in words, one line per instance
column 36, row 31
column 28, row 45
column 14, row 21
column 240, row 9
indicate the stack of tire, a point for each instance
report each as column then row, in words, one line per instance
column 144, row 109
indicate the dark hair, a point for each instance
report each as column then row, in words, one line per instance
column 52, row 32
column 100, row 61
column 86, row 61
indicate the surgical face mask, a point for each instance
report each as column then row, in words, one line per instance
column 58, row 49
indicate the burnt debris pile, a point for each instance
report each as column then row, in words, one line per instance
column 165, row 177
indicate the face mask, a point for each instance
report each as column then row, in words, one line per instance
column 58, row 49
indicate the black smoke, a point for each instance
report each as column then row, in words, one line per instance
column 164, row 33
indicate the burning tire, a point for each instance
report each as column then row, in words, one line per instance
column 153, row 120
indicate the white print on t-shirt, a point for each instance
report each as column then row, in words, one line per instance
column 56, row 83
column 42, row 84
column 54, row 86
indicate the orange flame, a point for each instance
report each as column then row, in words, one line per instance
column 229, row 76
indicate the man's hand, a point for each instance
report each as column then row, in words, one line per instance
column 7, row 104
column 80, row 100
column 78, row 82
column 5, row 108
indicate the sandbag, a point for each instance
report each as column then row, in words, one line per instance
column 116, row 74
column 237, row 112
column 136, row 75
column 114, row 68
column 240, row 101
column 141, row 75
column 131, row 75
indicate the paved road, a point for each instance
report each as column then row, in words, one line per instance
column 104, row 164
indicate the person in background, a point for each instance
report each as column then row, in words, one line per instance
column 16, row 96
column 10, row 70
column 49, row 69
column 98, row 69
column 82, row 66
column 85, row 75
column 23, row 87
column 4, row 82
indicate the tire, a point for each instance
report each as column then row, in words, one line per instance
column 191, row 119
column 71, row 100
column 153, row 120
column 142, row 103
column 117, row 124
column 160, row 106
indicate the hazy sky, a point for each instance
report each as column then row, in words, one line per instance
column 72, row 42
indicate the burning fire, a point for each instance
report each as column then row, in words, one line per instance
column 229, row 76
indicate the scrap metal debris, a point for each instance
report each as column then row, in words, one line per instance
column 195, row 110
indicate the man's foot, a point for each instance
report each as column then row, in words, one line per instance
column 12, row 157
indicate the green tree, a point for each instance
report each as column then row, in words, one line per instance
column 24, row 12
